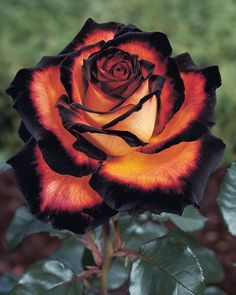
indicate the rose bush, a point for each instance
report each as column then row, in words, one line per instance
column 113, row 123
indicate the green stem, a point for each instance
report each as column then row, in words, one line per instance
column 107, row 260
column 117, row 238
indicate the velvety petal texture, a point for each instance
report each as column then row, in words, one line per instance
column 67, row 201
column 166, row 181
column 197, row 113
column 114, row 123
column 35, row 92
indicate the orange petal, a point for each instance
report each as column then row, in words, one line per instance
column 98, row 120
column 140, row 123
column 196, row 114
column 71, row 72
column 165, row 181
column 112, row 142
column 91, row 33
column 35, row 93
column 67, row 201
column 96, row 99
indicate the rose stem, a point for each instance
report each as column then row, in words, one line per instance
column 107, row 260
column 117, row 239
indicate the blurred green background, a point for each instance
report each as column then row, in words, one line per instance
column 206, row 29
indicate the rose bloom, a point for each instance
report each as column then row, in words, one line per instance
column 113, row 123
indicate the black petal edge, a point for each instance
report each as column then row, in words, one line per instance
column 89, row 27
column 186, row 64
column 206, row 119
column 172, row 73
column 156, row 41
column 23, row 132
column 128, row 197
column 157, row 84
column 24, row 167
column 84, row 146
column 76, row 129
column 54, row 154
column 66, row 67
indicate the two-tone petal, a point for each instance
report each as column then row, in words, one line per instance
column 67, row 201
column 166, row 181
column 197, row 113
column 35, row 92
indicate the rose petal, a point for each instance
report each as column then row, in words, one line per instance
column 35, row 92
column 93, row 32
column 71, row 71
column 155, row 48
column 67, row 201
column 129, row 117
column 196, row 114
column 112, row 142
column 23, row 132
column 95, row 99
column 83, row 145
column 141, row 118
column 152, row 47
column 172, row 95
column 167, row 181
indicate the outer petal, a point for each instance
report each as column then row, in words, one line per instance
column 166, row 181
column 93, row 32
column 172, row 95
column 67, row 201
column 23, row 132
column 153, row 47
column 35, row 92
column 196, row 114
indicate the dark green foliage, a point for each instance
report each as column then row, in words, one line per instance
column 227, row 199
column 48, row 277
column 171, row 265
column 24, row 224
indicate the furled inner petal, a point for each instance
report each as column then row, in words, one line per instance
column 112, row 142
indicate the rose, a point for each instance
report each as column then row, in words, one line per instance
column 113, row 123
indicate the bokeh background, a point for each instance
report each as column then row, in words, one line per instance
column 32, row 29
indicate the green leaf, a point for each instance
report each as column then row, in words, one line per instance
column 24, row 224
column 169, row 268
column 140, row 233
column 48, row 277
column 227, row 199
column 4, row 167
column 7, row 282
column 212, row 270
column 214, row 291
column 70, row 254
column 191, row 219
column 118, row 273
